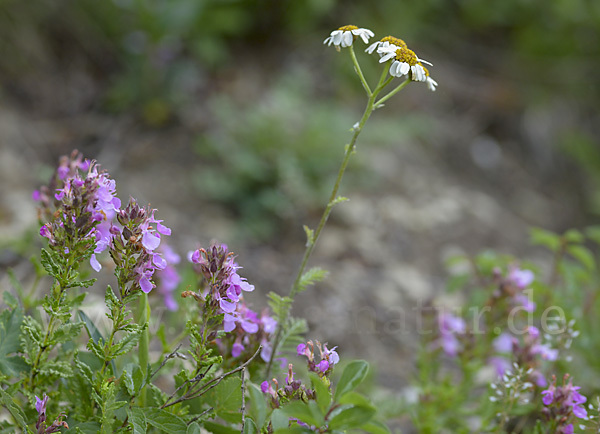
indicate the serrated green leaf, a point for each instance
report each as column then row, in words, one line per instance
column 84, row 283
column 292, row 334
column 96, row 349
column 49, row 263
column 56, row 367
column 354, row 373
column 10, row 341
column 311, row 277
column 125, row 344
column 583, row 255
column 133, row 377
column 164, row 420
column 258, row 404
column 250, row 426
column 339, row 199
column 349, row 416
column 10, row 300
column 66, row 332
column 545, row 238
column 84, row 369
column 85, row 427
column 310, row 235
column 323, row 394
column 137, row 418
column 7, row 401
column 305, row 412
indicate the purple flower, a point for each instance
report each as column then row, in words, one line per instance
column 521, row 278
column 504, row 343
column 40, row 404
column 237, row 349
column 566, row 403
column 323, row 366
column 449, row 326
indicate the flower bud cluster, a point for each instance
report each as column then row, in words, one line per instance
column 77, row 206
column 328, row 358
column 513, row 387
column 563, row 405
column 133, row 247
column 529, row 352
column 290, row 391
column 223, row 294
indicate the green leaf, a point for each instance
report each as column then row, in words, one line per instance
column 216, row 428
column 66, row 332
column 56, row 367
column 137, row 418
column 339, row 199
column 354, row 374
column 350, row 416
column 15, row 410
column 10, row 300
column 133, row 377
column 310, row 277
column 49, row 263
column 193, row 428
column 310, row 235
column 84, row 283
column 322, row 391
column 125, row 344
column 164, row 420
column 306, row 412
column 583, row 255
column 355, row 398
column 375, row 427
column 226, row 399
column 250, row 426
column 90, row 327
column 593, row 233
column 545, row 238
column 84, row 369
column 258, row 404
column 10, row 342
column 573, row 236
column 292, row 334
column 279, row 420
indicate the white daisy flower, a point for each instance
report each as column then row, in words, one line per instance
column 386, row 44
column 344, row 36
column 405, row 61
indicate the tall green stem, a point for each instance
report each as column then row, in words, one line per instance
column 350, row 149
column 143, row 317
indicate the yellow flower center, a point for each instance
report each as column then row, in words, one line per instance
column 396, row 41
column 347, row 28
column 406, row 55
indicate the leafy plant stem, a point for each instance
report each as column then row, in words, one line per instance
column 143, row 346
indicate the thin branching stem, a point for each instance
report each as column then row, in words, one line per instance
column 212, row 383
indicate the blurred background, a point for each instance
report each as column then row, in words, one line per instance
column 230, row 117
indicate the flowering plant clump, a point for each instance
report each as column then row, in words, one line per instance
column 211, row 362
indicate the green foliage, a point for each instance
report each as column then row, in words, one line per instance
column 354, row 373
column 10, row 331
column 310, row 277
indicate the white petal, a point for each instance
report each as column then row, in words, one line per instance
column 372, row 47
column 387, row 57
column 347, row 39
column 337, row 38
column 404, row 68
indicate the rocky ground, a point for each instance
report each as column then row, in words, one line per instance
column 480, row 178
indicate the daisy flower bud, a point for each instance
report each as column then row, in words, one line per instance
column 345, row 36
